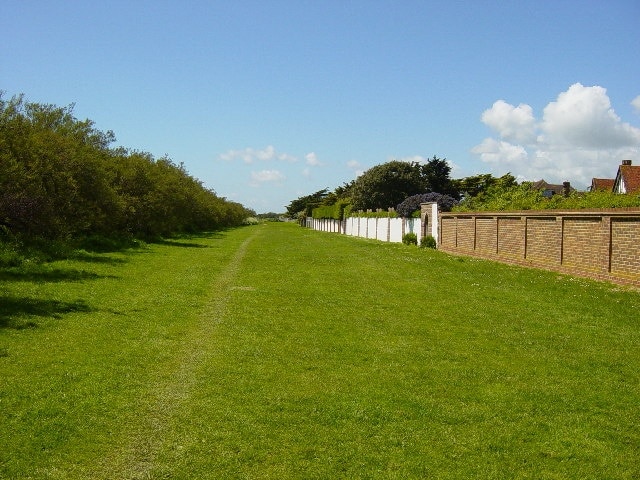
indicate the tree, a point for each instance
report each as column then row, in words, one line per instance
column 306, row 203
column 59, row 179
column 388, row 184
column 436, row 173
column 476, row 184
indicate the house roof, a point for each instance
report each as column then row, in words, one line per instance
column 629, row 176
column 602, row 184
column 555, row 188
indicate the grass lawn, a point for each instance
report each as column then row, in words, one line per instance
column 277, row 352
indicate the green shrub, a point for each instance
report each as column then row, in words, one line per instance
column 410, row 239
column 376, row 214
column 428, row 242
column 10, row 256
column 335, row 211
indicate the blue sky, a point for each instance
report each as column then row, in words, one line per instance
column 266, row 101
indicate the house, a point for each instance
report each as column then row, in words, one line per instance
column 601, row 185
column 628, row 178
column 550, row 189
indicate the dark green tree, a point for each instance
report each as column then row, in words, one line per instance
column 437, row 175
column 387, row 185
column 59, row 179
column 477, row 184
column 306, row 203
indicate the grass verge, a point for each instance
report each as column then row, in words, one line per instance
column 278, row 352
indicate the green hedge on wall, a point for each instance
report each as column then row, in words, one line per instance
column 335, row 211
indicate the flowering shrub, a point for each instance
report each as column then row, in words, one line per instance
column 411, row 204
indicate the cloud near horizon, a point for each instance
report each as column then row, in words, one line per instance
column 578, row 137
column 636, row 104
column 269, row 155
column 251, row 155
column 266, row 176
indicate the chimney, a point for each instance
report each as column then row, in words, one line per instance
column 566, row 188
column 626, row 162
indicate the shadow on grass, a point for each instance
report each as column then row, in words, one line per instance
column 175, row 243
column 18, row 313
column 178, row 241
column 87, row 257
column 39, row 274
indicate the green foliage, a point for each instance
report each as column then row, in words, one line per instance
column 504, row 194
column 306, row 204
column 588, row 200
column 388, row 184
column 428, row 242
column 437, row 174
column 60, row 180
column 270, row 216
column 475, row 185
column 372, row 214
column 410, row 239
column 335, row 211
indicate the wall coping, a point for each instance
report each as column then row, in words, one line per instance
column 597, row 212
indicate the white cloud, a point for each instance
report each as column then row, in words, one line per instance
column 266, row 176
column 355, row 167
column 312, row 160
column 582, row 117
column 579, row 137
column 500, row 152
column 251, row 155
column 513, row 124
column 636, row 103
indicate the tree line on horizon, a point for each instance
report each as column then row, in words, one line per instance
column 60, row 180
column 402, row 186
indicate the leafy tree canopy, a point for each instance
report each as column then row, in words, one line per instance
column 388, row 184
column 476, row 185
column 59, row 179
column 307, row 203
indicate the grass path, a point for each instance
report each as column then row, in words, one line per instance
column 278, row 352
column 138, row 456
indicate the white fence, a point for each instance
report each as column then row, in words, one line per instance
column 384, row 229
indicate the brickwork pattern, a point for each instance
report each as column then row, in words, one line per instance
column 465, row 238
column 583, row 244
column 486, row 236
column 599, row 244
column 511, row 237
column 448, row 233
column 625, row 251
column 544, row 240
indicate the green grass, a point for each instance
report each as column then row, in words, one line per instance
column 277, row 352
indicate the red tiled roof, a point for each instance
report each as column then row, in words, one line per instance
column 631, row 176
column 602, row 184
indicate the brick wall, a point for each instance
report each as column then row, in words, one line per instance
column 600, row 244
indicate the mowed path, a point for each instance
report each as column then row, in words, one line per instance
column 136, row 456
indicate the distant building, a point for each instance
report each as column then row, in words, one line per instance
column 549, row 189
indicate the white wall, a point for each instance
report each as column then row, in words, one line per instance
column 383, row 229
